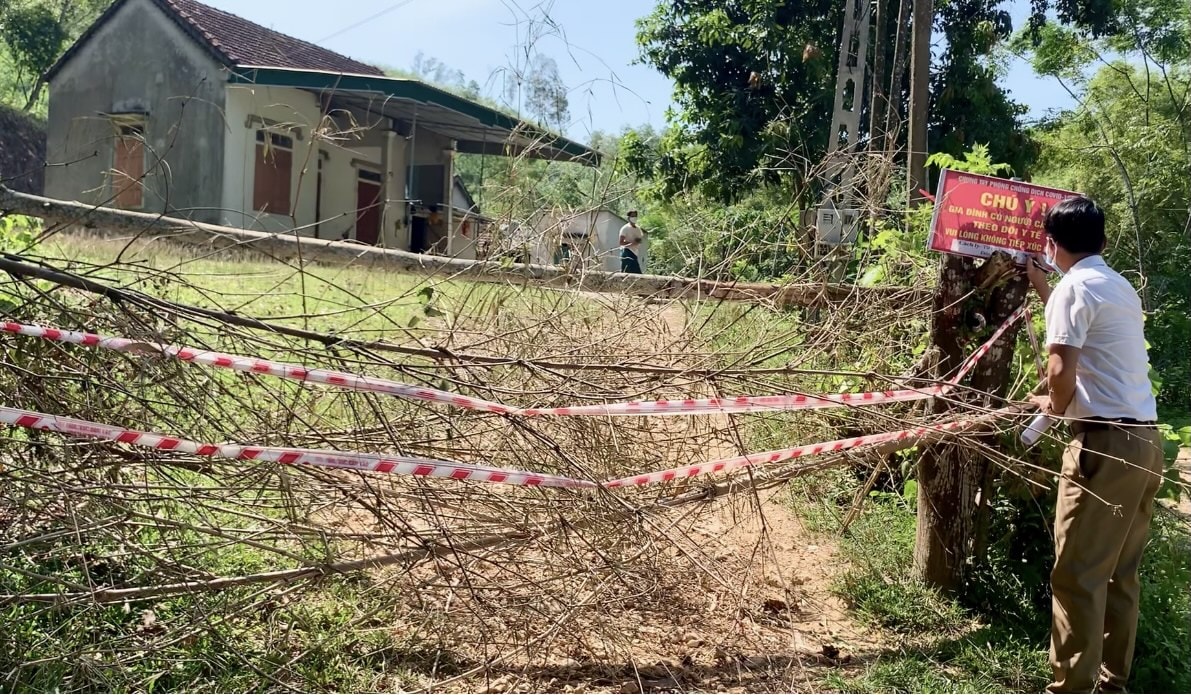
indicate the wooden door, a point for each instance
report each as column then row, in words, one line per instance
column 367, row 211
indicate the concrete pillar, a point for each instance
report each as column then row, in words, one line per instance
column 448, row 197
column 393, row 223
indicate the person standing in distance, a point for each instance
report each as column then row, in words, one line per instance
column 1098, row 380
column 631, row 237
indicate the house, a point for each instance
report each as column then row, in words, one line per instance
column 172, row 106
column 592, row 235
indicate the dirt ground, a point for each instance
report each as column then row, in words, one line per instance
column 756, row 615
column 771, row 624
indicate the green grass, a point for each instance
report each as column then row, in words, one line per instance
column 995, row 640
column 337, row 637
column 347, row 301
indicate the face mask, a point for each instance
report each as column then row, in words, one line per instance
column 1050, row 257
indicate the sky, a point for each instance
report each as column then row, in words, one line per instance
column 592, row 41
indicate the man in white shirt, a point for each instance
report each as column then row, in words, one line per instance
column 631, row 237
column 1098, row 377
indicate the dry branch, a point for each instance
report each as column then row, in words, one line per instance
column 18, row 266
column 487, row 574
column 408, row 558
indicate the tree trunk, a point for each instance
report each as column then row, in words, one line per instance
column 917, row 177
column 953, row 479
column 34, row 94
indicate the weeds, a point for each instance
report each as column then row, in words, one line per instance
column 995, row 638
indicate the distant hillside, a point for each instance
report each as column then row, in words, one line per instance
column 22, row 151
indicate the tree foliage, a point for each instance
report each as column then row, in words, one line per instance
column 1128, row 145
column 753, row 83
column 546, row 93
column 968, row 106
column 34, row 34
column 434, row 71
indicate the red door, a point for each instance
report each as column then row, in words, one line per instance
column 367, row 211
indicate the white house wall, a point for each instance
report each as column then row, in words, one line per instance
column 604, row 229
column 431, row 148
column 295, row 109
column 342, row 158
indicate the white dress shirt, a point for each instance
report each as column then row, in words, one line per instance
column 1096, row 310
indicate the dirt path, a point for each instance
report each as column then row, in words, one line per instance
column 757, row 613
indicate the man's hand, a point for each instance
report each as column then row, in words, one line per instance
column 1043, row 403
column 1037, row 277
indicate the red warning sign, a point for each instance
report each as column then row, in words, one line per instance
column 976, row 215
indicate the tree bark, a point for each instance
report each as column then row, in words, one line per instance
column 893, row 112
column 953, row 479
column 879, row 101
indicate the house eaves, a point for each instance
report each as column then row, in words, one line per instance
column 476, row 128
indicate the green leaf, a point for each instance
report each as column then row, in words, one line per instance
column 872, row 277
column 426, row 293
column 1155, row 382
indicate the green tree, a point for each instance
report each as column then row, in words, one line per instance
column 434, row 71
column 1128, row 145
column 546, row 93
column 968, row 106
column 34, row 34
column 753, row 85
column 519, row 188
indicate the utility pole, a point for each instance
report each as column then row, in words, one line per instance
column 919, row 97
column 876, row 111
column 837, row 220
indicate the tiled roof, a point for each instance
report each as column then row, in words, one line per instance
column 236, row 42
column 244, row 43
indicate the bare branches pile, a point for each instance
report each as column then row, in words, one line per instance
column 116, row 562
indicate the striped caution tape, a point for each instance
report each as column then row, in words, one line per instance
column 397, row 465
column 255, row 365
column 404, row 465
column 755, row 404
column 737, row 462
column 694, row 406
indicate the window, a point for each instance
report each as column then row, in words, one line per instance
column 272, row 178
column 128, row 162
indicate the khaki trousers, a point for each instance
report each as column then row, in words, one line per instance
column 1106, row 499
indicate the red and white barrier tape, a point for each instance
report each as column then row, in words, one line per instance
column 737, row 462
column 355, row 382
column 397, row 465
column 404, row 465
column 756, row 404
column 253, row 365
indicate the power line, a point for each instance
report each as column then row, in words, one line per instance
column 369, row 18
